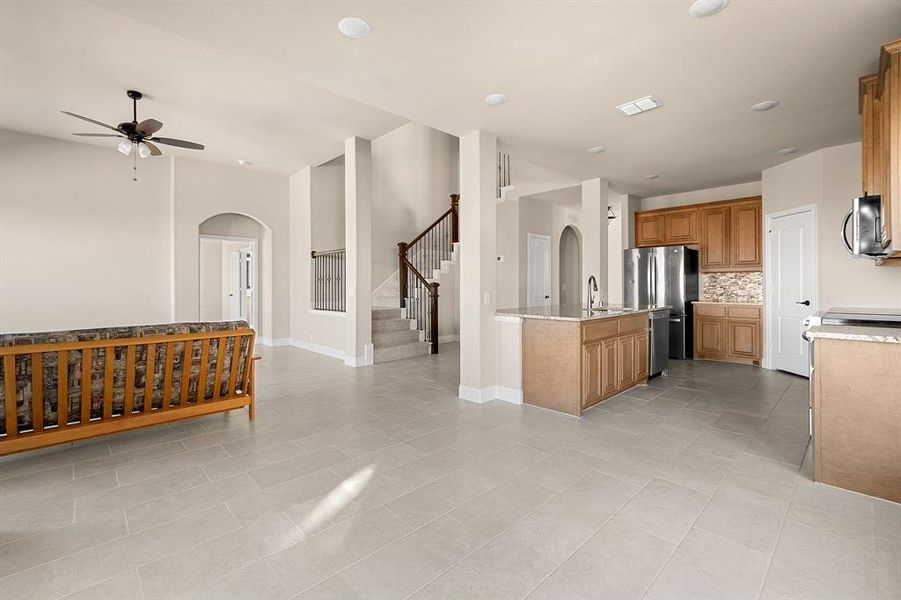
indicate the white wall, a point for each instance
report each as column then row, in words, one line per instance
column 415, row 169
column 313, row 329
column 620, row 235
column 202, row 190
column 81, row 244
column 211, row 277
column 727, row 192
column 327, row 205
column 830, row 178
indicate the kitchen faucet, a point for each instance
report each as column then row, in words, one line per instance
column 592, row 288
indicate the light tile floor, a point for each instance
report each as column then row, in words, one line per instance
column 380, row 483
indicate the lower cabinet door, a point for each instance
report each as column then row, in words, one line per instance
column 592, row 374
column 744, row 339
column 710, row 336
column 625, row 357
column 608, row 364
column 641, row 356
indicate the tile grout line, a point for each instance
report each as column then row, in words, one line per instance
column 769, row 564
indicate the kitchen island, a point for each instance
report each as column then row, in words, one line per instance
column 573, row 359
column 856, row 404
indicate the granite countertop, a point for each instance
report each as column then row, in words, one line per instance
column 722, row 302
column 574, row 312
column 887, row 335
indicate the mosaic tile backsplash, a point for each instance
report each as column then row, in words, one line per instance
column 732, row 287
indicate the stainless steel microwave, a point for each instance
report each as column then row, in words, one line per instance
column 866, row 227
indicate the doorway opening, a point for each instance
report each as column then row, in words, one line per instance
column 228, row 279
column 570, row 265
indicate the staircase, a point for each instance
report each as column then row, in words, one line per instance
column 405, row 319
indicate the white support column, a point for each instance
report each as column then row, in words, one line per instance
column 358, row 234
column 478, row 245
column 594, row 233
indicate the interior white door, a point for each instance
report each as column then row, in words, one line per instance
column 792, row 287
column 539, row 284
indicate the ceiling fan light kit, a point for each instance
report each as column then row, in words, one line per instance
column 137, row 134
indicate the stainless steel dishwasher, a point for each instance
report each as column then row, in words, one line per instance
column 659, row 342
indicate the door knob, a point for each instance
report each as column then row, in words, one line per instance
column 805, row 303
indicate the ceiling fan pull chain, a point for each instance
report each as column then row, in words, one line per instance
column 134, row 159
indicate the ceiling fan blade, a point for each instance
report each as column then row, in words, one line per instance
column 89, row 120
column 98, row 135
column 149, row 126
column 179, row 143
column 154, row 149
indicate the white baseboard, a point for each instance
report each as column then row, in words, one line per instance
column 319, row 348
column 274, row 342
column 444, row 339
column 489, row 393
column 367, row 359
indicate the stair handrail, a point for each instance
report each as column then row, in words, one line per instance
column 405, row 265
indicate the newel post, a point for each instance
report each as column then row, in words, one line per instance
column 433, row 317
column 402, row 272
column 455, row 218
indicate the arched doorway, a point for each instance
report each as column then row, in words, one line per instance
column 232, row 278
column 570, row 265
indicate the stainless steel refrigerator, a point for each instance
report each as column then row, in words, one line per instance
column 665, row 275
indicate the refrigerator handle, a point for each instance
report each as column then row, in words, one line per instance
column 654, row 283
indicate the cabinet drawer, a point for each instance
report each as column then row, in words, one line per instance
column 710, row 310
column 633, row 323
column 600, row 329
column 743, row 312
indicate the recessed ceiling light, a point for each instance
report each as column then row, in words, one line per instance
column 354, row 27
column 707, row 8
column 496, row 99
column 244, row 163
column 787, row 151
column 638, row 106
column 597, row 149
column 765, row 105
column 652, row 176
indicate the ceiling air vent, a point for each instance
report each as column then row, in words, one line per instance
column 639, row 106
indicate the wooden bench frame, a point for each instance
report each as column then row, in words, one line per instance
column 239, row 394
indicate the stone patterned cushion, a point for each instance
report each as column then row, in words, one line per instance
column 74, row 367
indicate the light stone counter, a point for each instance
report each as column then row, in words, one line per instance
column 886, row 335
column 574, row 312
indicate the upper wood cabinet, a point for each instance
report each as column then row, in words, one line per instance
column 745, row 234
column 681, row 226
column 728, row 233
column 715, row 248
column 649, row 229
column 880, row 111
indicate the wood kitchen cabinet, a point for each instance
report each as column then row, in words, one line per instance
column 570, row 366
column 880, row 111
column 649, row 229
column 729, row 233
column 715, row 251
column 745, row 235
column 680, row 226
column 728, row 332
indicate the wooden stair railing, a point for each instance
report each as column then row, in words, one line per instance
column 424, row 254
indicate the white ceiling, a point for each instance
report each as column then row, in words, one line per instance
column 274, row 82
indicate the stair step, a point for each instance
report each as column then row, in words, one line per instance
column 380, row 355
column 386, row 325
column 385, row 313
column 394, row 338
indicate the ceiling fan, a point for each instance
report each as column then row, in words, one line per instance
column 137, row 136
